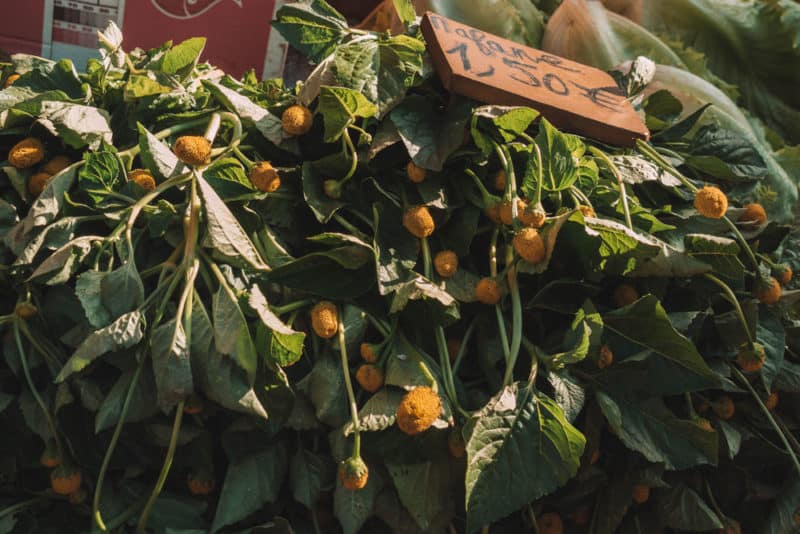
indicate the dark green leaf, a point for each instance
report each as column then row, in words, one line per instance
column 683, row 509
column 157, row 157
column 231, row 333
column 725, row 154
column 424, row 489
column 522, row 440
column 285, row 346
column 321, row 205
column 171, row 366
column 353, row 508
column 340, row 107
column 141, row 406
column 311, row 26
column 121, row 290
column 251, row 113
column 309, row 475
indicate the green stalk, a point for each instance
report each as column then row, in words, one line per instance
column 485, row 195
column 768, row 415
column 349, row 386
column 464, row 342
column 516, row 330
column 48, row 416
column 163, row 134
column 14, row 508
column 731, row 297
column 290, row 307
column 540, row 180
column 141, row 527
column 615, row 171
column 98, row 518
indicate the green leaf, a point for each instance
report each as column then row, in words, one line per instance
column 725, row 154
column 517, row 20
column 51, row 237
column 309, row 475
column 424, row 490
column 139, row 86
column 79, row 126
column 227, row 177
column 142, row 405
column 231, row 333
column 250, row 113
column 683, row 509
column 645, row 323
column 87, row 289
column 321, row 205
column 250, row 483
column 585, row 332
column 559, row 159
column 217, row 375
column 59, row 266
column 157, row 157
column 123, row 333
column 121, row 290
column 568, row 393
column 340, row 107
column 429, row 133
column 181, row 58
column 721, row 253
column 285, row 346
column 324, row 386
column 519, row 440
column 782, row 517
column 637, row 170
column 99, row 175
column 395, row 249
column 647, row 426
column 770, row 333
column 503, row 123
column 405, row 10
column 353, row 508
column 171, row 367
column 44, row 209
column 311, row 26
column 381, row 70
column 379, row 412
column 225, row 234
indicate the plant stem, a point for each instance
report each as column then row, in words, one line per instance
column 290, row 307
column 141, row 527
column 98, row 518
column 516, row 326
column 540, row 178
column 48, row 416
column 426, row 257
column 730, row 297
column 768, row 414
column 485, row 195
column 464, row 342
column 349, row 386
column 493, row 251
column 615, row 171
column 350, row 228
column 353, row 154
column 163, row 134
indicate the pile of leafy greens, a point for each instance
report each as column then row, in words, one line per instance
column 157, row 334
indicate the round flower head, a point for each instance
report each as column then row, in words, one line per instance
column 418, row 221
column 37, row 183
column 418, row 409
column 297, row 120
column 415, row 173
column 332, row 189
column 25, row 310
column 26, row 153
column 143, row 179
column 605, row 358
column 535, row 216
column 711, row 202
column 50, row 457
column 587, row 211
column 529, row 245
column 640, row 493
column 264, row 177
column 194, row 405
column 10, row 80
column 753, row 213
column 550, row 523
column 65, row 479
column 353, row 474
column 771, row 402
column 453, row 348
column 446, row 263
column 369, row 377
column 487, row 291
column 368, row 353
column 783, row 273
column 455, row 443
column 193, row 150
column 724, row 407
column 201, row 481
column 56, row 165
column 624, row 295
column 524, row 216
column 325, row 319
column 492, row 212
column 751, row 360
column 500, row 181
column 768, row 290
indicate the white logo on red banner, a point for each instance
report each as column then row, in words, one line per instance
column 188, row 9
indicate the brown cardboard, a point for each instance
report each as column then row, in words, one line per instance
column 493, row 70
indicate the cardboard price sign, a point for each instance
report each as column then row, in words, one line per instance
column 493, row 70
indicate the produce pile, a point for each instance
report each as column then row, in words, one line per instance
column 363, row 304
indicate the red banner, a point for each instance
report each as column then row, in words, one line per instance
column 21, row 26
column 237, row 30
